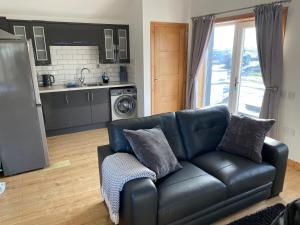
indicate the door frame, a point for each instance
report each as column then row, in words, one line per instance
column 153, row 25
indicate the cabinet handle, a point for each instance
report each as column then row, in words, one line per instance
column 92, row 96
column 88, row 96
column 67, row 99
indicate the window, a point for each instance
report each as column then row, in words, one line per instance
column 232, row 70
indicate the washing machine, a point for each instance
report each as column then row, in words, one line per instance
column 123, row 103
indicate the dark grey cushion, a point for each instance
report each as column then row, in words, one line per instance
column 167, row 122
column 245, row 136
column 153, row 150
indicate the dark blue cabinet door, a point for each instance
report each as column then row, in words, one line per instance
column 55, row 110
column 4, row 24
column 66, row 109
column 79, row 108
column 114, row 44
column 100, row 105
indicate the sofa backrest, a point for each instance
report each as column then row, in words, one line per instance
column 166, row 121
column 202, row 129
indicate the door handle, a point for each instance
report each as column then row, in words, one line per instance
column 236, row 82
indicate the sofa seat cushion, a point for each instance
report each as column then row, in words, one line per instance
column 187, row 191
column 237, row 173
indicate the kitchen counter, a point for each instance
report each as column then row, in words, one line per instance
column 62, row 88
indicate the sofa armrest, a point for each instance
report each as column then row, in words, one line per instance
column 139, row 203
column 276, row 153
column 103, row 152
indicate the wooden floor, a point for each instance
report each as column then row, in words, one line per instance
column 67, row 193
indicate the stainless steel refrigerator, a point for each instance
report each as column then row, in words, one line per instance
column 23, row 144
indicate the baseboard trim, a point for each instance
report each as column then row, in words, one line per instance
column 50, row 133
column 294, row 164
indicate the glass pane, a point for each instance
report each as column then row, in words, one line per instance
column 122, row 33
column 40, row 44
column 218, row 69
column 108, row 33
column 109, row 54
column 123, row 54
column 251, row 84
column 41, row 55
column 108, row 43
column 19, row 30
column 38, row 31
column 122, row 43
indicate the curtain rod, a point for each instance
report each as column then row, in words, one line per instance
column 245, row 8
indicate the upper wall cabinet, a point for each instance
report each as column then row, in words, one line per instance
column 73, row 34
column 41, row 44
column 111, row 39
column 37, row 32
column 114, row 46
column 4, row 24
column 21, row 29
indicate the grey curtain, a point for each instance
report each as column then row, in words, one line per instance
column 201, row 32
column 268, row 21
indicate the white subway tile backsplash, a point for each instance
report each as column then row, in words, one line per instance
column 77, row 56
column 67, row 56
column 67, row 62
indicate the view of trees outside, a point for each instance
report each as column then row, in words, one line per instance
column 219, row 67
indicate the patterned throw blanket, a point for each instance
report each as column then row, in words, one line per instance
column 117, row 169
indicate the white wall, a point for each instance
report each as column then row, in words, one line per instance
column 290, row 107
column 135, row 21
column 158, row 11
column 93, row 11
column 290, row 103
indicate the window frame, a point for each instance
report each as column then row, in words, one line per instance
column 247, row 17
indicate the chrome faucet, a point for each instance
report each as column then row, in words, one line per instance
column 82, row 77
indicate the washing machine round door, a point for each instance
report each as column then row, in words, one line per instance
column 125, row 106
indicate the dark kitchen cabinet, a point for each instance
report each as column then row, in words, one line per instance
column 56, row 110
column 40, row 43
column 37, row 32
column 21, row 29
column 79, row 108
column 4, row 24
column 100, row 105
column 111, row 39
column 114, row 46
column 73, row 109
column 73, row 34
column 66, row 109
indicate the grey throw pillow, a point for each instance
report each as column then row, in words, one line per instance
column 153, row 150
column 245, row 137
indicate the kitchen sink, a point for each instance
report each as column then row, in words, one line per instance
column 93, row 84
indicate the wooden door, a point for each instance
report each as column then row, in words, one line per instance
column 168, row 59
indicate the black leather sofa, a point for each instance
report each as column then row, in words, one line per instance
column 212, row 183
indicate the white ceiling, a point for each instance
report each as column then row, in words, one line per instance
column 70, row 9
